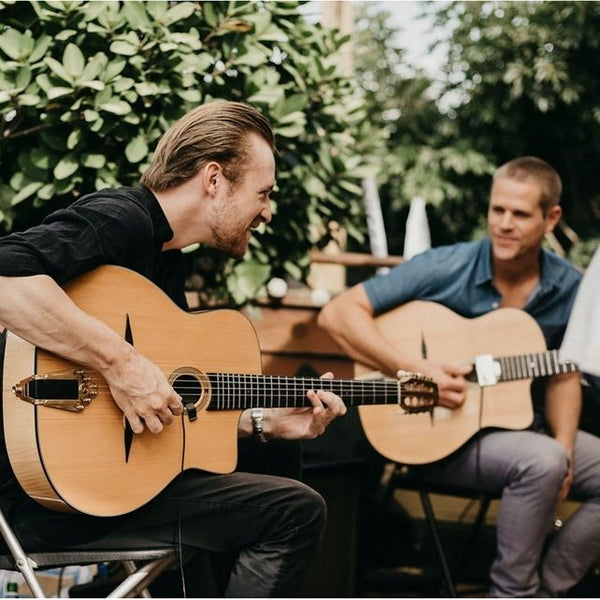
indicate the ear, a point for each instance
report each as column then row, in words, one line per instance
column 212, row 177
column 552, row 218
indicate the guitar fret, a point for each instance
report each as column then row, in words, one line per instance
column 513, row 370
column 521, row 367
column 227, row 380
column 269, row 382
column 517, row 362
column 513, row 374
column 506, row 369
column 219, row 391
column 534, row 368
column 541, row 366
column 229, row 392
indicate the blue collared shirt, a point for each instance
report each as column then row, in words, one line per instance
column 460, row 277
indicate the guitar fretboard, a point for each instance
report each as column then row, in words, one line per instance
column 240, row 391
column 526, row 366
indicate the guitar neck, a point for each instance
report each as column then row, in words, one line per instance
column 232, row 391
column 529, row 366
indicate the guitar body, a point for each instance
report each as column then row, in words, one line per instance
column 423, row 438
column 76, row 460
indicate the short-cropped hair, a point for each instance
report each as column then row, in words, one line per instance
column 534, row 170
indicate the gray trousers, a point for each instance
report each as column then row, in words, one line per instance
column 275, row 524
column 528, row 469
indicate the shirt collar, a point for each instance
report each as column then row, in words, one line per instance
column 483, row 266
column 550, row 274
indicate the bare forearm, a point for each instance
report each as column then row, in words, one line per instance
column 349, row 320
column 37, row 309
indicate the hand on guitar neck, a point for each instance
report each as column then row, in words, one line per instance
column 299, row 423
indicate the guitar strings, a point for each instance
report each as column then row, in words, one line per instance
column 293, row 389
column 268, row 382
column 234, row 389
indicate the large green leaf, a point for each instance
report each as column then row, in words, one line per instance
column 117, row 107
column 26, row 192
column 73, row 61
column 16, row 45
column 136, row 149
column 66, row 167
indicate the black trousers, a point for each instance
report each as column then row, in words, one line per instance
column 273, row 526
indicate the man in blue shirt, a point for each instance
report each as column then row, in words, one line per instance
column 532, row 469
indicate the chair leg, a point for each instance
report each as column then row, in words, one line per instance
column 484, row 505
column 435, row 535
column 22, row 562
column 139, row 578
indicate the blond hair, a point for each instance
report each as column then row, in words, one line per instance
column 217, row 131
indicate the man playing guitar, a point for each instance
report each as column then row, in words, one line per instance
column 531, row 469
column 209, row 182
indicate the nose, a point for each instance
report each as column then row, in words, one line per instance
column 506, row 221
column 266, row 214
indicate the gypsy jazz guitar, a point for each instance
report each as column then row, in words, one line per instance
column 67, row 440
column 507, row 350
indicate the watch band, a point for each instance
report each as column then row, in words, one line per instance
column 257, row 416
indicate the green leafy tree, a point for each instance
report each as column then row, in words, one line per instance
column 524, row 78
column 422, row 155
column 87, row 88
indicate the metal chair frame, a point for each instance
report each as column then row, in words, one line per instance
column 404, row 477
column 138, row 576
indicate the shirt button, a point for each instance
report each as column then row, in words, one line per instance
column 495, row 304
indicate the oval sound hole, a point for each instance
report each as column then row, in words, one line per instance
column 188, row 387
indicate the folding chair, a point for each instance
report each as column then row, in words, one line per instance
column 138, row 576
column 409, row 478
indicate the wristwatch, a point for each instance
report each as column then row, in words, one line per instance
column 257, row 416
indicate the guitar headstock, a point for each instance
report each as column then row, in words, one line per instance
column 417, row 393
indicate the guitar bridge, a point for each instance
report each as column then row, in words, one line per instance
column 70, row 390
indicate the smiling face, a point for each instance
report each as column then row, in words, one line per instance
column 516, row 222
column 242, row 206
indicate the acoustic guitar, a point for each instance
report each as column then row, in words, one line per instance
column 507, row 350
column 67, row 440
